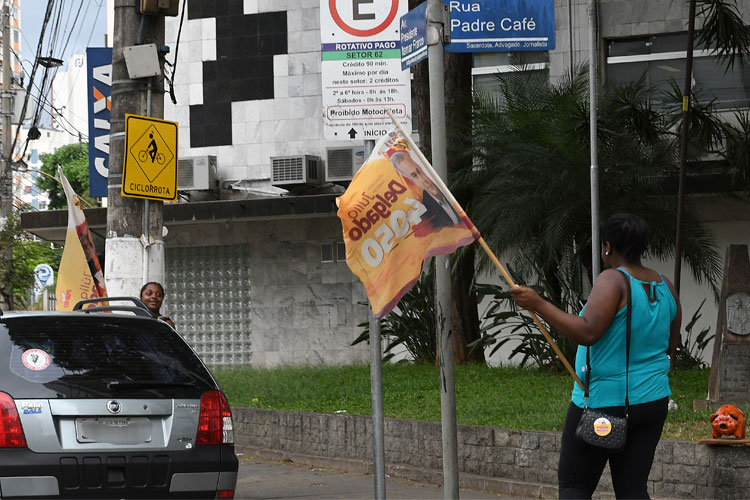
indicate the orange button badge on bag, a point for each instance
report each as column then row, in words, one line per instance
column 602, row 426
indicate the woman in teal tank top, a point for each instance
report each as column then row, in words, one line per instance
column 655, row 332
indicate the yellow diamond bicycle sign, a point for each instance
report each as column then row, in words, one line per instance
column 150, row 169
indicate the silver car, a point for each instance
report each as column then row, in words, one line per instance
column 108, row 405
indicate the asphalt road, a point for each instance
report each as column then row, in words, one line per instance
column 263, row 479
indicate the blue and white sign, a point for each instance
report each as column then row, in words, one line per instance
column 414, row 36
column 44, row 275
column 501, row 25
column 99, row 89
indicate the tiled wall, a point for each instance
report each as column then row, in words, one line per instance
column 510, row 462
column 248, row 83
column 257, row 293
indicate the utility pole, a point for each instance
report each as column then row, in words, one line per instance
column 6, row 173
column 684, row 131
column 594, row 171
column 127, row 254
column 6, row 179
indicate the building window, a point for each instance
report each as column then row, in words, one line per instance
column 42, row 205
column 661, row 59
column 341, row 251
column 486, row 65
column 34, row 156
column 333, row 252
column 326, row 252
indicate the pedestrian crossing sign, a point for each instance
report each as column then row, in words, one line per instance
column 150, row 167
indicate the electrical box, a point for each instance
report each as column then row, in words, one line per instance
column 142, row 61
column 160, row 7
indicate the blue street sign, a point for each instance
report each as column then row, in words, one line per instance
column 414, row 36
column 501, row 25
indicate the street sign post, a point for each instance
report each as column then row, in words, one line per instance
column 493, row 26
column 361, row 68
column 150, row 167
column 414, row 36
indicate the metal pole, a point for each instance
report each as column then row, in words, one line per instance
column 146, row 203
column 376, row 391
column 595, row 245
column 688, row 90
column 444, row 332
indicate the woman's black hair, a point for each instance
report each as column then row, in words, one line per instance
column 151, row 283
column 628, row 235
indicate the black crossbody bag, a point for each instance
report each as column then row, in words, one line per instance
column 596, row 427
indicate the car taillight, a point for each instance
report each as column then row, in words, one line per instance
column 11, row 430
column 215, row 421
column 226, row 494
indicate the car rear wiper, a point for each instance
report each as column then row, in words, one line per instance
column 137, row 384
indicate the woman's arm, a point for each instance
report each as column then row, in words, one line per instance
column 674, row 328
column 603, row 304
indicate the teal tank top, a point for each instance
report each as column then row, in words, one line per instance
column 654, row 309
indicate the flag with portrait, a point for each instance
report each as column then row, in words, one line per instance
column 395, row 214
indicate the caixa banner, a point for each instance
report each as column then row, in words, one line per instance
column 99, row 90
column 501, row 26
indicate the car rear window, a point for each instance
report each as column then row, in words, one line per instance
column 91, row 357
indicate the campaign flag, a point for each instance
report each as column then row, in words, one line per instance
column 394, row 215
column 80, row 275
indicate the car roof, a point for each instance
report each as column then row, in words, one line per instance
column 96, row 306
column 67, row 314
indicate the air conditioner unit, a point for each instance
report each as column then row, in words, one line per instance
column 296, row 170
column 197, row 173
column 343, row 163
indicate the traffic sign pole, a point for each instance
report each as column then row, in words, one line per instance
column 436, row 67
column 376, row 391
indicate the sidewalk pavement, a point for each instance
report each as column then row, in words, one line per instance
column 259, row 478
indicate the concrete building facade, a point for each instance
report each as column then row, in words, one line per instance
column 255, row 273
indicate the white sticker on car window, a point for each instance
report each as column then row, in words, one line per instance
column 35, row 359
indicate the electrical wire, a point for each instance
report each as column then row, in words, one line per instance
column 43, row 100
column 72, row 87
column 173, row 66
column 47, row 14
column 45, row 89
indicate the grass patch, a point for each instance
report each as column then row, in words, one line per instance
column 506, row 397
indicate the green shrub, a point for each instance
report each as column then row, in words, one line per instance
column 411, row 324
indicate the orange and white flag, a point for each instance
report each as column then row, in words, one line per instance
column 80, row 275
column 395, row 214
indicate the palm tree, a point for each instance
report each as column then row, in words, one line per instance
column 530, row 181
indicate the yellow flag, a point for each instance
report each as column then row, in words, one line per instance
column 80, row 275
column 394, row 214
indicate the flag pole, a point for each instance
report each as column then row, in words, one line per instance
column 376, row 390
column 484, row 245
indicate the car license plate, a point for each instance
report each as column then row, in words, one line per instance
column 113, row 430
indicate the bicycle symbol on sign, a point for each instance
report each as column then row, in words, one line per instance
column 152, row 151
